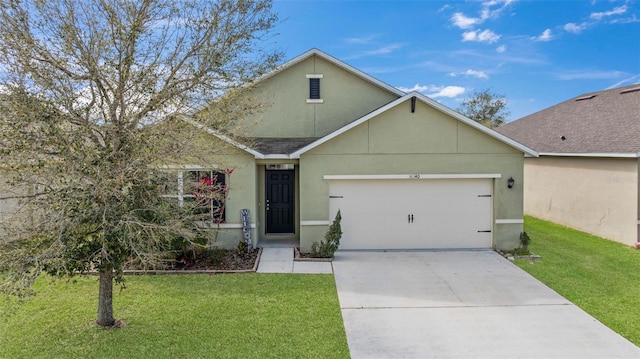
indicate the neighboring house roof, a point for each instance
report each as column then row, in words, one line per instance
column 599, row 124
column 333, row 60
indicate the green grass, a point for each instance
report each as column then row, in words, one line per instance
column 200, row 316
column 600, row 276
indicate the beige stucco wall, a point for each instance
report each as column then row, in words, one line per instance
column 595, row 195
column 287, row 114
column 400, row 142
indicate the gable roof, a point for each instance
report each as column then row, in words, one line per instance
column 336, row 62
column 292, row 148
column 491, row 133
column 599, row 124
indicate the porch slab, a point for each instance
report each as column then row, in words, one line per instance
column 276, row 260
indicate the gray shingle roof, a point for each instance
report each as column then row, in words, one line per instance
column 597, row 122
column 280, row 146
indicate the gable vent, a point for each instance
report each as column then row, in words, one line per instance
column 633, row 89
column 314, row 88
column 586, row 97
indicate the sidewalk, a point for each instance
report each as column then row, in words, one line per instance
column 280, row 260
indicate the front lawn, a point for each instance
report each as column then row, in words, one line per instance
column 600, row 276
column 182, row 316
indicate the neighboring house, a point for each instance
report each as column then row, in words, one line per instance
column 587, row 174
column 405, row 171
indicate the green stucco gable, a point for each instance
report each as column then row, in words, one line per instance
column 345, row 98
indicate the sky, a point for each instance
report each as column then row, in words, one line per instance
column 534, row 53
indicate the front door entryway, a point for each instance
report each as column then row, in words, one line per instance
column 280, row 201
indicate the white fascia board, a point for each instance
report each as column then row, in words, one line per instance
column 605, row 154
column 506, row 140
column 225, row 138
column 315, row 223
column 510, row 221
column 276, row 157
column 416, row 176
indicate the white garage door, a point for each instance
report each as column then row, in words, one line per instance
column 413, row 214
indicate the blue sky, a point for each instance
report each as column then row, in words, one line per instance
column 535, row 53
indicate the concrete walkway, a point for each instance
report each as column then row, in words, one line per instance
column 280, row 260
column 461, row 304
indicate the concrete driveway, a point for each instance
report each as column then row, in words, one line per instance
column 461, row 304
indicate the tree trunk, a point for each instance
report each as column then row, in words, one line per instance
column 105, row 300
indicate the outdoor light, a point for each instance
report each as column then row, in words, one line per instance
column 510, row 182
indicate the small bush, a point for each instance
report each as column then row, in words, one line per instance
column 326, row 248
column 242, row 249
column 216, row 255
column 524, row 241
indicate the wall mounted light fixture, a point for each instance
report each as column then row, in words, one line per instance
column 510, row 182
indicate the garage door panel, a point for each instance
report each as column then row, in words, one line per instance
column 421, row 214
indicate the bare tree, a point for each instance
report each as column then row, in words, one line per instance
column 93, row 97
column 486, row 108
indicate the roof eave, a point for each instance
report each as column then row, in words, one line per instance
column 593, row 154
column 230, row 141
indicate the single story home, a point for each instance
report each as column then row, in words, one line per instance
column 405, row 171
column 587, row 174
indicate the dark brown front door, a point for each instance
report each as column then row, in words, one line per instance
column 280, row 201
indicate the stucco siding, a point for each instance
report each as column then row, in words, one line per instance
column 242, row 183
column 424, row 142
column 424, row 131
column 346, row 97
column 595, row 195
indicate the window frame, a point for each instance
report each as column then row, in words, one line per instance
column 183, row 191
column 315, row 79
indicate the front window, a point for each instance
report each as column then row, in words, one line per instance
column 203, row 190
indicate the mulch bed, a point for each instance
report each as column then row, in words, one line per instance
column 227, row 262
column 307, row 257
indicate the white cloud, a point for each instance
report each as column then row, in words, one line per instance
column 575, row 28
column 616, row 11
column 448, row 91
column 361, row 40
column 464, row 22
column 435, row 91
column 545, row 36
column 501, row 49
column 627, row 20
column 590, row 75
column 384, row 50
column 416, row 87
column 487, row 36
column 627, row 81
column 471, row 73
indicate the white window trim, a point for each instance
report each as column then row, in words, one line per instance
column 315, row 76
column 181, row 195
